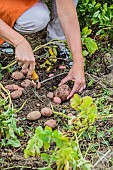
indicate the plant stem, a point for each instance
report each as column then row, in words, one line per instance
column 21, row 107
column 9, row 65
column 53, row 77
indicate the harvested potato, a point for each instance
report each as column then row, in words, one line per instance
column 62, row 92
column 17, row 75
column 39, row 85
column 51, row 123
column 16, row 94
column 35, row 115
column 62, row 67
column 50, row 95
column 51, row 75
column 70, row 115
column 26, row 83
column 33, row 83
column 57, row 100
column 13, row 87
column 46, row 111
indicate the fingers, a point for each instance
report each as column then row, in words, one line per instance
column 75, row 89
column 31, row 69
column 20, row 63
column 67, row 78
column 78, row 87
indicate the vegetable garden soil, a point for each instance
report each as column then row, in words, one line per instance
column 97, row 69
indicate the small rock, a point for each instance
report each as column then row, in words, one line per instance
column 35, row 115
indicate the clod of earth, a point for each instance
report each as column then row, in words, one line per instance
column 62, row 92
column 13, row 87
column 46, row 111
column 17, row 75
column 16, row 94
column 50, row 95
column 35, row 115
column 51, row 123
column 57, row 100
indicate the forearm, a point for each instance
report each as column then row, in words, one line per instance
column 70, row 25
column 8, row 34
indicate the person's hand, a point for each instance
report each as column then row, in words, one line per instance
column 25, row 57
column 75, row 74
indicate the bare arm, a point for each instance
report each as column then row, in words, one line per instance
column 23, row 51
column 69, row 21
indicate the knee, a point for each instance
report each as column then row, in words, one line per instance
column 41, row 20
column 32, row 24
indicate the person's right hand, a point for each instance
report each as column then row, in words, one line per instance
column 24, row 56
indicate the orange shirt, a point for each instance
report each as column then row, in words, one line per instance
column 10, row 10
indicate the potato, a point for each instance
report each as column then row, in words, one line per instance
column 33, row 84
column 12, row 87
column 39, row 85
column 50, row 95
column 57, row 100
column 51, row 75
column 70, row 115
column 62, row 67
column 51, row 123
column 26, row 83
column 16, row 94
column 17, row 75
column 35, row 115
column 62, row 92
column 46, row 111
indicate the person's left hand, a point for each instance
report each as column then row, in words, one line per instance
column 75, row 74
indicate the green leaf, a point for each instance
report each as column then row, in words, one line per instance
column 45, row 156
column 86, row 167
column 0, row 66
column 14, row 142
column 46, row 145
column 75, row 101
column 91, row 45
column 40, row 143
column 86, row 102
column 85, row 53
column 86, row 32
column 1, row 76
column 90, row 83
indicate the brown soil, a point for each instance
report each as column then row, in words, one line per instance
column 96, row 68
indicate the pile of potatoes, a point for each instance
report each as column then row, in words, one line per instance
column 17, row 91
column 60, row 94
column 47, row 112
